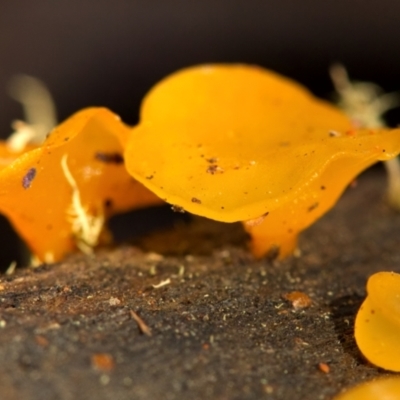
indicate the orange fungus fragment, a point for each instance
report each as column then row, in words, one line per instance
column 377, row 325
column 59, row 194
column 379, row 389
column 249, row 145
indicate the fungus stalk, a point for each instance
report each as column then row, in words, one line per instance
column 365, row 103
column 85, row 227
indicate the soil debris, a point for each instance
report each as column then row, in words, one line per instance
column 143, row 327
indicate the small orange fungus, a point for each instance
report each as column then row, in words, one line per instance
column 299, row 300
column 240, row 143
column 377, row 325
column 379, row 389
column 103, row 362
column 59, row 194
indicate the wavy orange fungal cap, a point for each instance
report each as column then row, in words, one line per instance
column 240, row 143
column 379, row 389
column 377, row 325
column 59, row 194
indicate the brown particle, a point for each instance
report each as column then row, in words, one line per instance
column 212, row 160
column 195, row 200
column 150, row 177
column 298, row 299
column 353, row 184
column 323, row 187
column 103, row 362
column 372, row 311
column 323, row 367
column 41, row 341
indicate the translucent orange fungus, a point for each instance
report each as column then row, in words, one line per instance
column 380, row 389
column 59, row 194
column 240, row 143
column 377, row 325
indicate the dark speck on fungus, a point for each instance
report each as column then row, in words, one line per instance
column 213, row 169
column 194, row 200
column 110, row 158
column 313, row 207
column 108, row 203
column 28, row 178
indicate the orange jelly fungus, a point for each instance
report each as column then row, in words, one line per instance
column 240, row 143
column 377, row 325
column 379, row 389
column 58, row 195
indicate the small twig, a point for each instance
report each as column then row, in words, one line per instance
column 143, row 327
column 162, row 283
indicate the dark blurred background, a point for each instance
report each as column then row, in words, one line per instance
column 110, row 52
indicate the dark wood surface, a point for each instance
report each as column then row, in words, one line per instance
column 220, row 329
